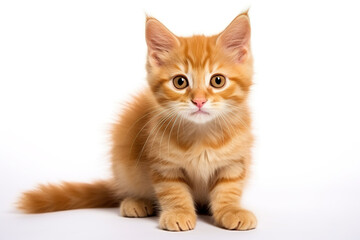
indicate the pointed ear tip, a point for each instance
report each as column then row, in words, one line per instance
column 246, row 11
column 244, row 14
column 151, row 23
column 150, row 18
column 242, row 18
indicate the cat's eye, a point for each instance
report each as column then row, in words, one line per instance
column 180, row 82
column 217, row 81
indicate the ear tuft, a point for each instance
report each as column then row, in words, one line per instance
column 235, row 39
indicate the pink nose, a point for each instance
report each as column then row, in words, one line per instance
column 199, row 102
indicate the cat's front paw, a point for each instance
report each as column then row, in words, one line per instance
column 236, row 219
column 177, row 220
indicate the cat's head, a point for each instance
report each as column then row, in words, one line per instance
column 200, row 78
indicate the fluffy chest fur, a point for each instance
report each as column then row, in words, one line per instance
column 200, row 163
column 200, row 167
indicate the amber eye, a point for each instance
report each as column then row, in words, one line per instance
column 217, row 81
column 180, row 82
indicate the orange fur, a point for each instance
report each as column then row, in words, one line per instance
column 49, row 198
column 166, row 153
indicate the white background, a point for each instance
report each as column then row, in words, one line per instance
column 68, row 67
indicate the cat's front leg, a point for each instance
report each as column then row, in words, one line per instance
column 176, row 203
column 225, row 198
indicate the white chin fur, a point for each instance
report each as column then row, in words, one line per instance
column 199, row 118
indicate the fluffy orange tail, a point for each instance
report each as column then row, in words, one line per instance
column 65, row 196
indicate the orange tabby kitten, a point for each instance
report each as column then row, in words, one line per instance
column 182, row 144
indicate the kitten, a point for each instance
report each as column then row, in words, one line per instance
column 184, row 143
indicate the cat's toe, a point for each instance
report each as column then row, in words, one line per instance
column 177, row 220
column 236, row 219
column 130, row 207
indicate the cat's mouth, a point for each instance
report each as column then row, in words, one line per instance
column 200, row 112
column 200, row 116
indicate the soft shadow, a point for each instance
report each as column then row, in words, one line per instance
column 207, row 219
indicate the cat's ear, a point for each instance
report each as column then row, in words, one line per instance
column 159, row 39
column 235, row 39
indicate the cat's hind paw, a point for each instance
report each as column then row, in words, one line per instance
column 131, row 207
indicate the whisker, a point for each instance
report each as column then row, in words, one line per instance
column 222, row 130
column 150, row 133
column 241, row 120
column 156, row 109
column 132, row 145
column 223, row 121
column 177, row 135
column 162, row 122
column 170, row 133
column 227, row 123
column 172, row 117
